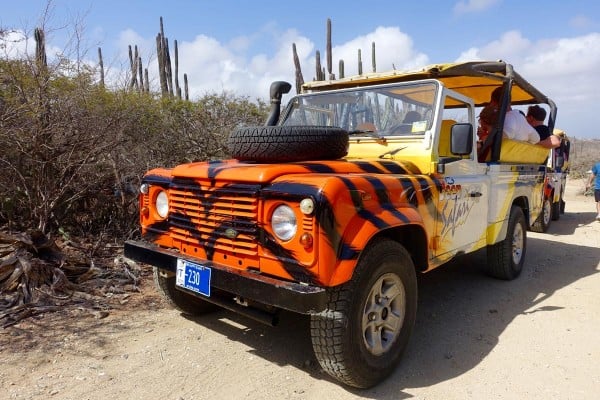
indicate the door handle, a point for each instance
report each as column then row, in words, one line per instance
column 475, row 194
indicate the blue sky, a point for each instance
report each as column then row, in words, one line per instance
column 242, row 46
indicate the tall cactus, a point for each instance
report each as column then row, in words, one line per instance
column 373, row 62
column 161, row 70
column 101, row 67
column 299, row 77
column 185, row 87
column 133, row 65
column 318, row 68
column 177, row 88
column 360, row 70
column 140, row 71
column 40, row 51
column 328, row 55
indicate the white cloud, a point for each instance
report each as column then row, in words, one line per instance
column 469, row 6
column 15, row 44
column 564, row 69
column 510, row 46
column 393, row 48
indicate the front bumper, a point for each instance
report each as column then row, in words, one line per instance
column 291, row 296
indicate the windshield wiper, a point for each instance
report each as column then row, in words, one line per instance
column 378, row 138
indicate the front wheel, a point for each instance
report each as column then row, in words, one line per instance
column 184, row 302
column 360, row 337
column 505, row 259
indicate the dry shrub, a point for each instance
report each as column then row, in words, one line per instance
column 74, row 152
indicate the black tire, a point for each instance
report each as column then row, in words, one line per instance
column 542, row 223
column 359, row 339
column 184, row 302
column 288, row 143
column 505, row 259
column 556, row 211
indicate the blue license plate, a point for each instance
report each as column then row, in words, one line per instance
column 194, row 277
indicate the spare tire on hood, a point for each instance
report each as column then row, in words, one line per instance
column 288, row 143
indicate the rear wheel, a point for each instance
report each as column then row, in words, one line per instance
column 542, row 223
column 556, row 210
column 505, row 259
column 184, row 302
column 360, row 337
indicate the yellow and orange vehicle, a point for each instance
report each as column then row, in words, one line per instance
column 335, row 205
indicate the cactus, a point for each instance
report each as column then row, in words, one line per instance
column 101, row 66
column 360, row 71
column 146, row 81
column 328, row 55
column 373, row 63
column 140, row 70
column 160, row 55
column 40, row 49
column 299, row 77
column 185, row 86
column 177, row 88
column 318, row 65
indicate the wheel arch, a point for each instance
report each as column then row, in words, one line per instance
column 523, row 203
column 411, row 236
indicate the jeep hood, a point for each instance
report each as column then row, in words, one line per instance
column 238, row 171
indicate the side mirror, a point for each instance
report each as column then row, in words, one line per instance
column 461, row 139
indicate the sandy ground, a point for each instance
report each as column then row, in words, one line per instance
column 537, row 337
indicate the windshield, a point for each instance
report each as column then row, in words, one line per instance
column 399, row 109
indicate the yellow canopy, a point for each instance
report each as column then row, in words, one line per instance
column 475, row 79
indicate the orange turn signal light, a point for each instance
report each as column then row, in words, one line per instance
column 306, row 240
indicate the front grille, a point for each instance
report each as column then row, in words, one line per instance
column 203, row 214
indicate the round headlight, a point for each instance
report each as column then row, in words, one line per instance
column 284, row 223
column 144, row 188
column 162, row 204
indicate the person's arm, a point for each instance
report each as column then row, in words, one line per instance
column 591, row 179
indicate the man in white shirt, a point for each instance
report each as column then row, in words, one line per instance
column 516, row 126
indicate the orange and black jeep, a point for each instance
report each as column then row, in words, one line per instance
column 333, row 207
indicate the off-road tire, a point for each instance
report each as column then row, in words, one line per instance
column 359, row 339
column 184, row 302
column 271, row 144
column 556, row 211
column 505, row 259
column 542, row 223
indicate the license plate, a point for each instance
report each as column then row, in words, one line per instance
column 194, row 277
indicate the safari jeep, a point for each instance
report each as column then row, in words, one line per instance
column 335, row 206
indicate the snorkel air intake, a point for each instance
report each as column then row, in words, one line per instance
column 278, row 88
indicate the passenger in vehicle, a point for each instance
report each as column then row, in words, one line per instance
column 487, row 119
column 411, row 116
column 406, row 126
column 516, row 126
column 536, row 116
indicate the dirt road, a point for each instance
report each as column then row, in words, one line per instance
column 537, row 337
